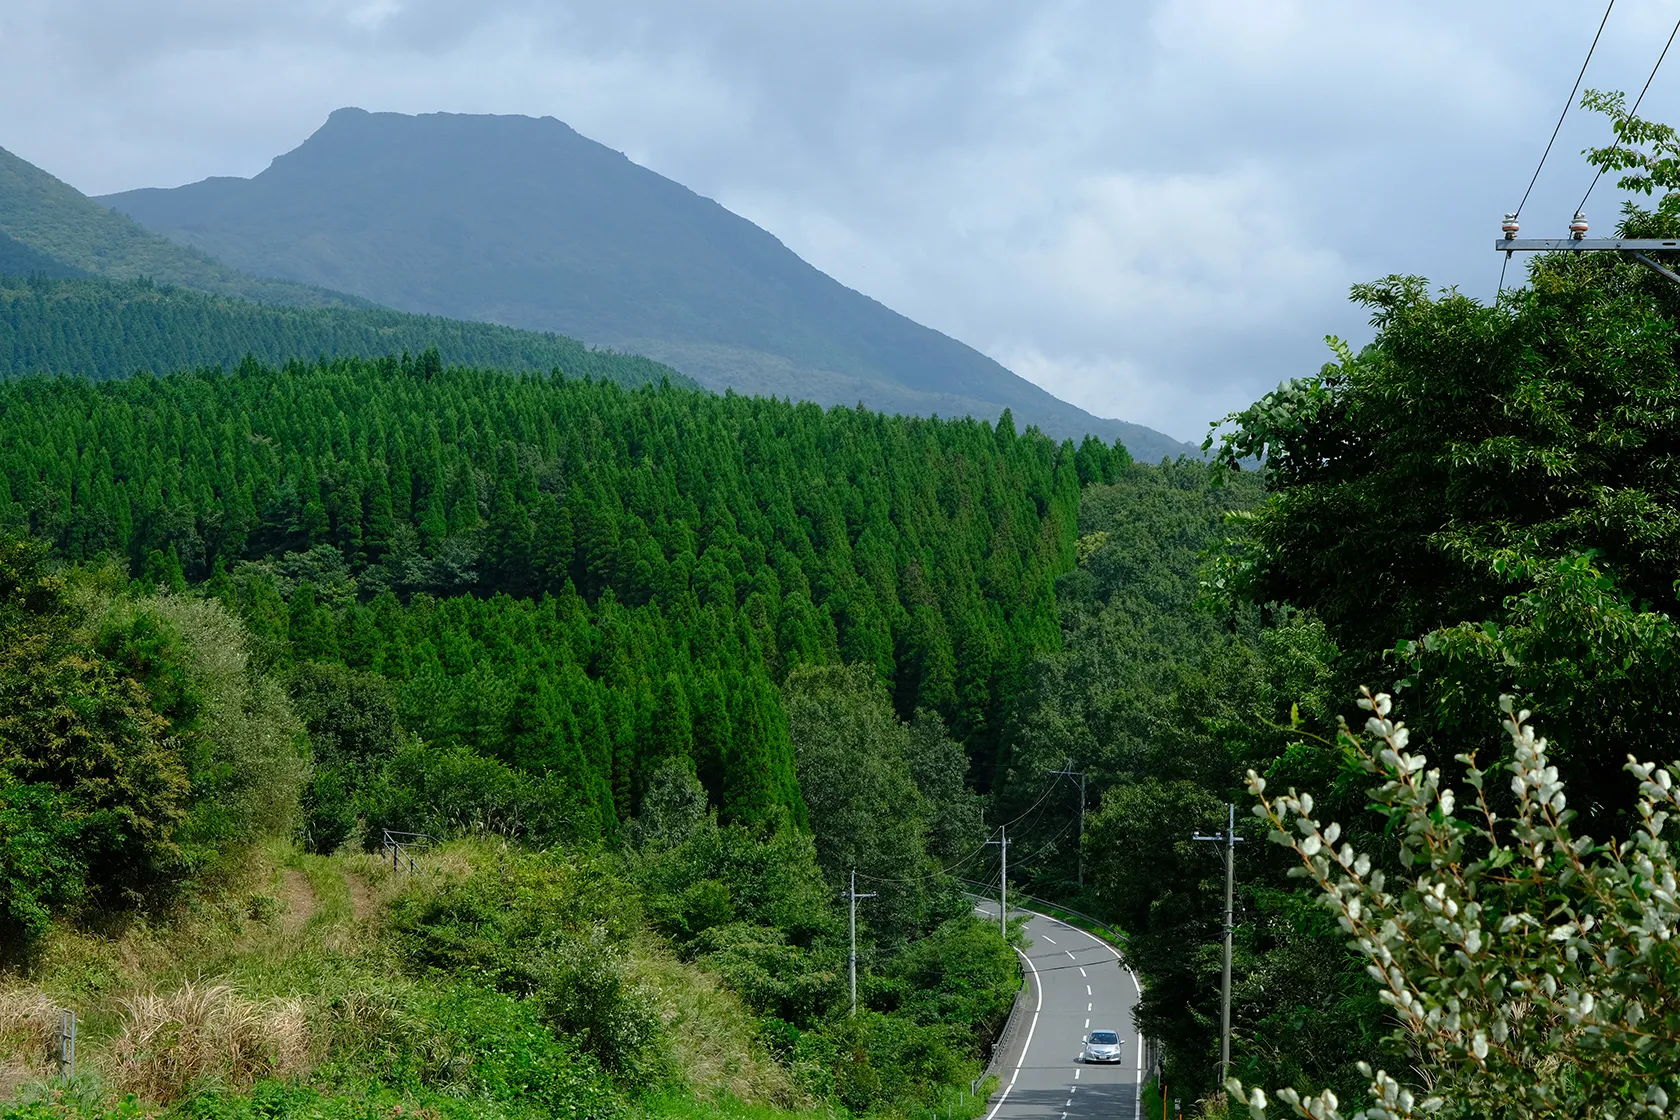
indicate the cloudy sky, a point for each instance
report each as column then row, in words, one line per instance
column 1152, row 209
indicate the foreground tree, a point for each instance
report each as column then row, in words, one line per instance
column 1532, row 972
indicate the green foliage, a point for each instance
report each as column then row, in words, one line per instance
column 234, row 727
column 351, row 719
column 43, row 870
column 961, row 975
column 1164, row 699
column 136, row 747
column 545, row 929
column 1518, row 523
column 631, row 555
column 858, row 768
column 79, row 738
column 101, row 329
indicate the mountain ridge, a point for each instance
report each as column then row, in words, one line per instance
column 48, row 226
column 526, row 222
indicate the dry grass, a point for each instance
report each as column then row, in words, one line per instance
column 28, row 1038
column 205, row 1034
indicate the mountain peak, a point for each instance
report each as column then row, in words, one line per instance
column 522, row 220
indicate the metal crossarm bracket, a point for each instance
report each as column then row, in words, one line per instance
column 1582, row 245
column 1634, row 247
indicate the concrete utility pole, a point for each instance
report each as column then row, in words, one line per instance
column 1230, row 839
column 1080, row 774
column 1003, row 880
column 852, row 896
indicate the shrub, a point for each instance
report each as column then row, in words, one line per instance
column 542, row 928
column 1533, row 972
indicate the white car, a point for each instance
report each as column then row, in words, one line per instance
column 1102, row 1046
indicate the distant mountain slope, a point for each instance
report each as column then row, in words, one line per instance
column 105, row 329
column 49, row 227
column 18, row 259
column 523, row 221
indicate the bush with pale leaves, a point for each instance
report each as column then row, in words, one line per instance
column 1532, row 972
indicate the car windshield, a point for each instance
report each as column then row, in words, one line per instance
column 1104, row 1038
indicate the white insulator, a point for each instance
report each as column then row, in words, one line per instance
column 1510, row 227
column 1578, row 227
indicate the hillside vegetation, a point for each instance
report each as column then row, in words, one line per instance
column 523, row 221
column 62, row 231
column 104, row 329
column 155, row 754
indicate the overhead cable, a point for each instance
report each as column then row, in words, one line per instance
column 1634, row 111
column 1568, row 101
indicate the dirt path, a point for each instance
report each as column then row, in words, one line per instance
column 297, row 899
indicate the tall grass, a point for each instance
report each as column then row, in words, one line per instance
column 198, row 1035
column 28, row 1037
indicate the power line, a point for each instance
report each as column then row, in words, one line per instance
column 1634, row 110
column 1047, row 791
column 942, row 873
column 1568, row 101
column 945, row 871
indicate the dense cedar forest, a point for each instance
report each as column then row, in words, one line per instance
column 101, row 329
column 564, row 579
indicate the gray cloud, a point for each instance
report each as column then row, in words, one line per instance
column 1152, row 209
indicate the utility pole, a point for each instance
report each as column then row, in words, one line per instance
column 1003, row 880
column 852, row 896
column 1080, row 774
column 1230, row 839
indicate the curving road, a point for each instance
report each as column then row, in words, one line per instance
column 1077, row 985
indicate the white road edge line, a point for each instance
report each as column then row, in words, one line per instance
column 1027, row 1045
column 1137, row 1095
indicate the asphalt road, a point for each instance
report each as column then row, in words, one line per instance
column 1077, row 985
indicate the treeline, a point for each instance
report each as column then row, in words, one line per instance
column 103, row 328
column 643, row 567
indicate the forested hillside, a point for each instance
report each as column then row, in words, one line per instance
column 568, row 582
column 101, row 329
column 50, row 227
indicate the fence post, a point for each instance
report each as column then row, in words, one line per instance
column 67, row 1044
